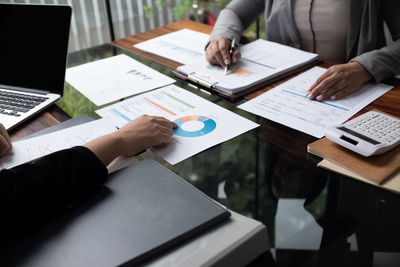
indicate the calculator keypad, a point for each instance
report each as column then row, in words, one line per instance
column 377, row 126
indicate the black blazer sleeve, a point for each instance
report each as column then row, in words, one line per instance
column 33, row 192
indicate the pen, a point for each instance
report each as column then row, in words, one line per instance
column 230, row 54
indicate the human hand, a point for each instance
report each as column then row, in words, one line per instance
column 5, row 142
column 339, row 81
column 217, row 52
column 144, row 132
column 136, row 136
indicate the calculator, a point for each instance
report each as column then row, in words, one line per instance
column 371, row 133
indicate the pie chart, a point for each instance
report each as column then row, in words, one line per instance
column 194, row 126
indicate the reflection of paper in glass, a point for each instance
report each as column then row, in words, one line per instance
column 113, row 78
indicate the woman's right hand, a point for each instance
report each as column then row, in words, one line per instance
column 145, row 132
column 217, row 52
column 5, row 142
column 136, row 136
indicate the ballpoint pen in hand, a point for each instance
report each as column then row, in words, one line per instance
column 230, row 54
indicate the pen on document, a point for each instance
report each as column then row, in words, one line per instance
column 230, row 54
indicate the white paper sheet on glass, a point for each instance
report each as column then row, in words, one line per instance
column 182, row 46
column 110, row 79
column 202, row 124
column 288, row 105
column 36, row 147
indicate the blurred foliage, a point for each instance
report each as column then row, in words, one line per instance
column 194, row 9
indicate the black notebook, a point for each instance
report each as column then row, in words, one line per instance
column 144, row 210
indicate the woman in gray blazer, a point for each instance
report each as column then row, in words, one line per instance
column 347, row 31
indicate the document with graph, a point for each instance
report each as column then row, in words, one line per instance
column 110, row 79
column 262, row 62
column 33, row 148
column 201, row 123
column 287, row 104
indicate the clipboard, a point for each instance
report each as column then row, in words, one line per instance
column 206, row 82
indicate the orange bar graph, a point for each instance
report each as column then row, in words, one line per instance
column 239, row 72
column 159, row 106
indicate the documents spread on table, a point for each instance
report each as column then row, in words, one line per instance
column 110, row 79
column 33, row 148
column 183, row 46
column 202, row 124
column 288, row 105
column 261, row 61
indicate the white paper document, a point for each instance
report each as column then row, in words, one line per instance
column 202, row 124
column 261, row 61
column 287, row 104
column 110, row 79
column 182, row 46
column 33, row 148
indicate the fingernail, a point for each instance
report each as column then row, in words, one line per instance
column 309, row 96
column 227, row 62
column 319, row 97
column 333, row 97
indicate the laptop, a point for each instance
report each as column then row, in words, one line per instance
column 143, row 211
column 33, row 55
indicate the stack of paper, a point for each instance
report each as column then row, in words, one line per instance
column 261, row 61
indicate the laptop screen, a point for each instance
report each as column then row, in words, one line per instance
column 33, row 46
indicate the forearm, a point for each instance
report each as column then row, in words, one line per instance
column 236, row 17
column 58, row 179
column 106, row 148
column 382, row 63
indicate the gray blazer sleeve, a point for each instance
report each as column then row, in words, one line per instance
column 236, row 17
column 385, row 62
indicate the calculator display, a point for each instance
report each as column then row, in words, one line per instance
column 363, row 137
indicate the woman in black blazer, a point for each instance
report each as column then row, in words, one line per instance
column 32, row 193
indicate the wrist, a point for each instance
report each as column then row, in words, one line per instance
column 364, row 75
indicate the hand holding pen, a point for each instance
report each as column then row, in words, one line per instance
column 217, row 52
column 231, row 49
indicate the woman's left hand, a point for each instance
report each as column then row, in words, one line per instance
column 339, row 81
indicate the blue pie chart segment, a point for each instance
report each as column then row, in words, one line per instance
column 208, row 126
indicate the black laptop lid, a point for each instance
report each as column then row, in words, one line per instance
column 34, row 46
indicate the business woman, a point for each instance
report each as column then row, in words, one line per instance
column 33, row 193
column 347, row 31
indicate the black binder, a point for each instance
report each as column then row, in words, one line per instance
column 142, row 211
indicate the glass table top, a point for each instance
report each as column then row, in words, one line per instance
column 314, row 217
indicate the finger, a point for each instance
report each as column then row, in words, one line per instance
column 320, row 79
column 236, row 55
column 325, row 85
column 217, row 56
column 343, row 93
column 4, row 146
column 164, row 130
column 331, row 92
column 210, row 57
column 160, row 145
column 163, row 139
column 164, row 122
column 3, row 132
column 224, row 51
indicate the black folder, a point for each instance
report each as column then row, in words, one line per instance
column 142, row 211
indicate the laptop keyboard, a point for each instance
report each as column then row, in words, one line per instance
column 12, row 103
